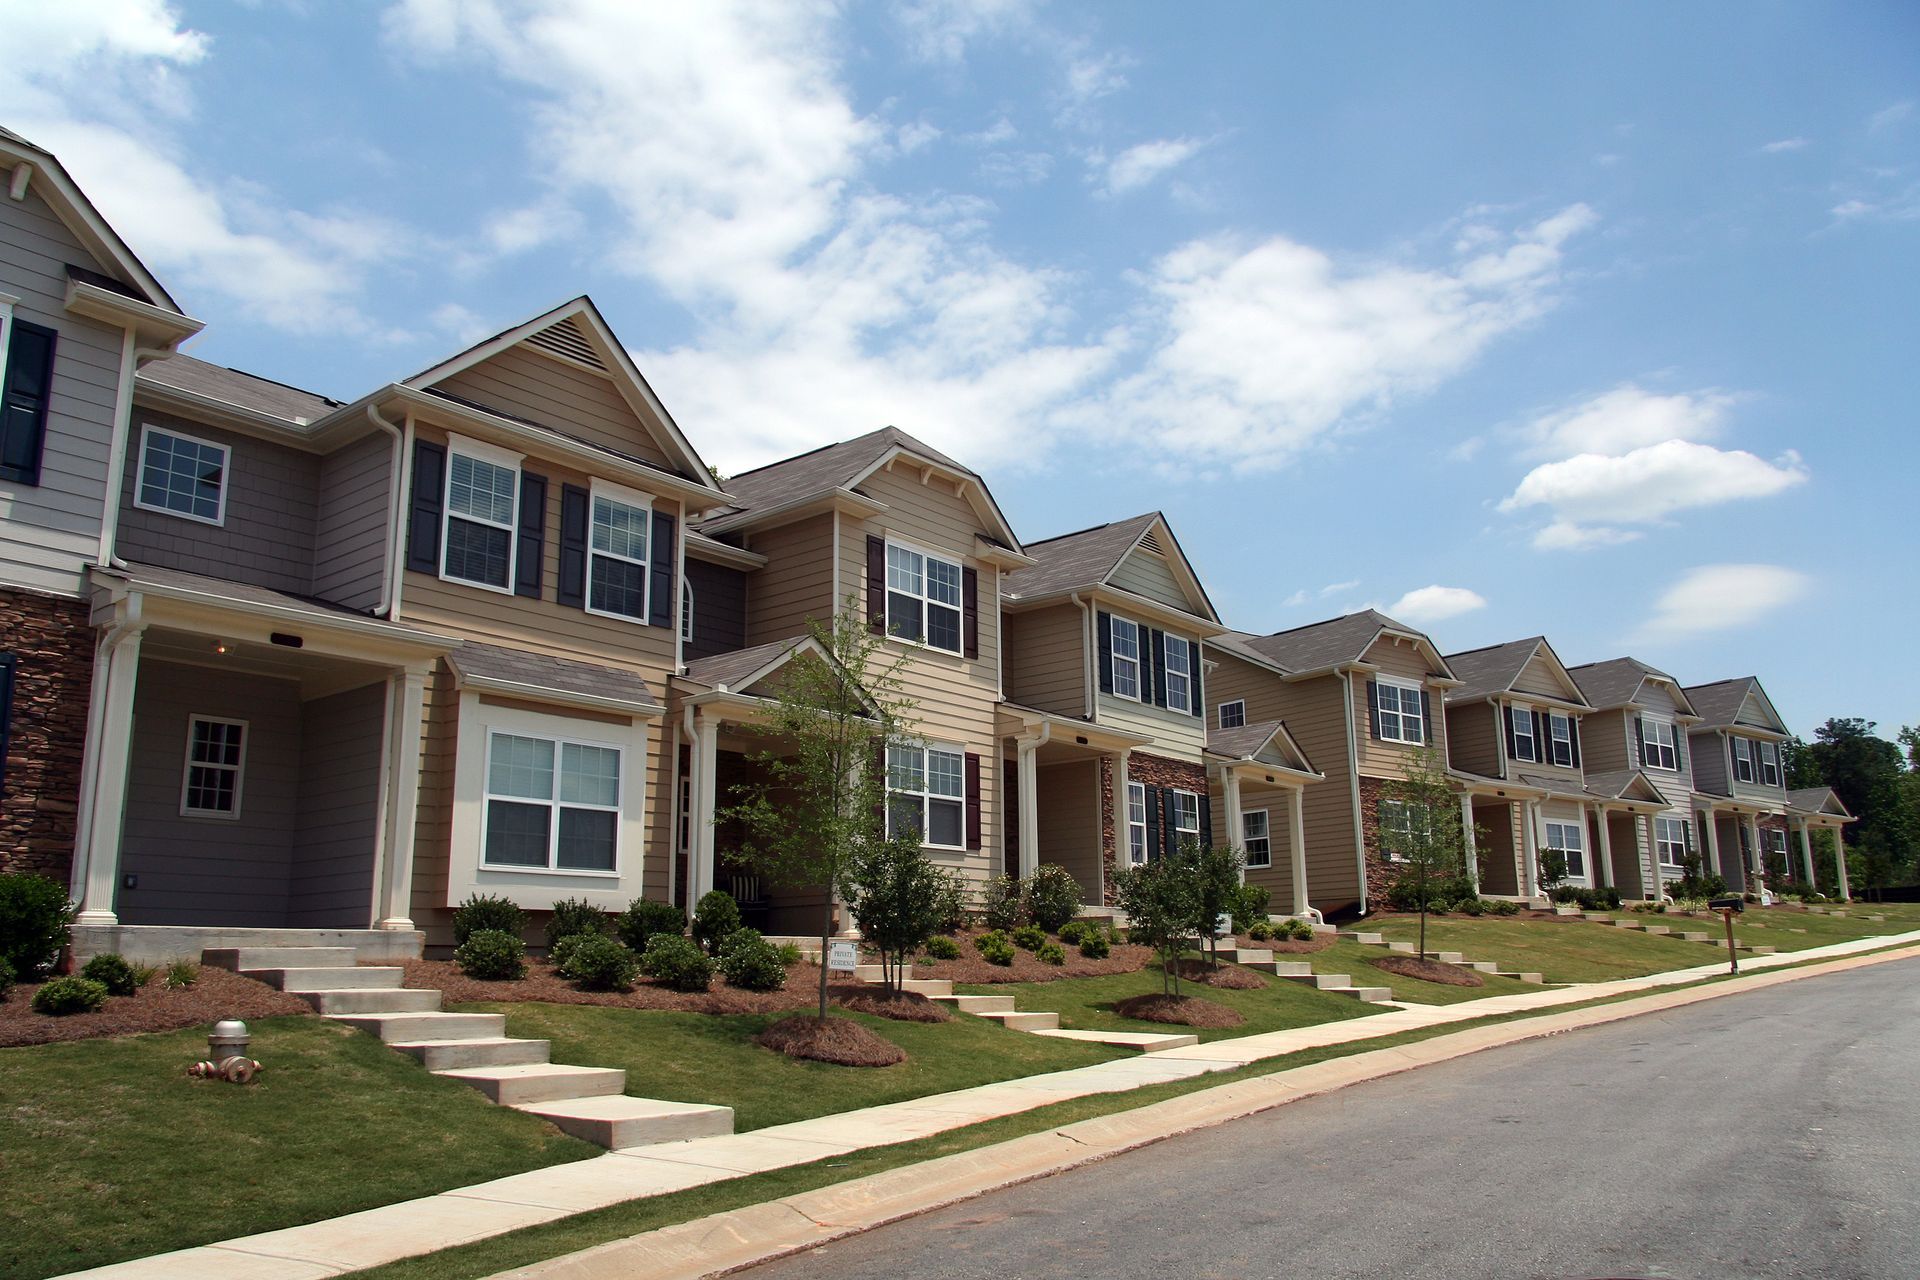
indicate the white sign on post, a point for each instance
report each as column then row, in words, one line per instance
column 1223, row 925
column 843, row 957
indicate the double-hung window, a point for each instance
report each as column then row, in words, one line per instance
column 926, row 794
column 1256, row 842
column 552, row 804
column 617, row 568
column 1399, row 823
column 1560, row 731
column 1402, row 714
column 1770, row 763
column 1525, row 746
column 1670, row 838
column 216, row 758
column 923, row 598
column 483, row 486
column 1126, row 659
column 1659, row 742
column 1743, row 758
column 1186, row 817
column 1567, row 838
column 1136, row 823
column 182, row 476
column 1179, row 674
column 1233, row 714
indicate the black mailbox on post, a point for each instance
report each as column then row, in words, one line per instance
column 1731, row 903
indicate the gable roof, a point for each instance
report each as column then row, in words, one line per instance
column 1624, row 784
column 1088, row 558
column 1616, row 682
column 1247, row 741
column 741, row 669
column 1335, row 642
column 1718, row 704
column 551, row 679
column 1493, row 670
column 204, row 380
column 1818, row 800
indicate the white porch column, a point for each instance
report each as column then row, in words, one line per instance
column 1029, row 783
column 706, row 755
column 1467, row 841
column 103, row 811
column 1840, row 860
column 1710, row 837
column 1806, row 852
column 1604, row 856
column 1643, row 834
column 406, row 699
column 1529, row 849
column 1236, row 822
column 1756, row 864
column 1297, row 847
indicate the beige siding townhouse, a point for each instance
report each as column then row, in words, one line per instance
column 1519, row 758
column 1640, row 718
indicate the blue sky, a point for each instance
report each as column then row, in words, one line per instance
column 1597, row 322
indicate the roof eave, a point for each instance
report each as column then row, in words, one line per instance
column 152, row 326
column 839, row 499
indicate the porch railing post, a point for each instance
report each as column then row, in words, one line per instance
column 1029, row 783
column 706, row 756
column 1297, row 848
column 406, row 703
column 1467, row 842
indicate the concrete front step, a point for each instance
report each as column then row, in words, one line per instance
column 982, row 1005
column 616, row 1121
column 329, row 978
column 1290, row 969
column 929, row 987
column 491, row 1051
column 1523, row 975
column 540, row 1082
column 1621, row 922
column 878, row 973
column 1403, row 948
column 372, row 1000
column 1480, row 966
column 1694, row 937
column 1761, row 951
column 407, row 1028
column 1657, row 930
column 1361, row 936
column 1144, row 1041
column 1264, row 966
column 1323, row 981
column 242, row 958
column 1367, row 995
column 1246, row 955
column 1016, row 1021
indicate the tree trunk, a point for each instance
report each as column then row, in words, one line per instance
column 826, row 940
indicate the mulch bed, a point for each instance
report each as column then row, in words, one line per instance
column 1446, row 975
column 901, row 1006
column 971, row 968
column 1293, row 946
column 837, row 1040
column 215, row 994
column 1228, row 977
column 1182, row 1011
column 544, row 985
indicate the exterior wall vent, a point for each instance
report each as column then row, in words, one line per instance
column 1148, row 542
column 564, row 339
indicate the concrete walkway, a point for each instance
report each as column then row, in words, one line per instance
column 395, row 1231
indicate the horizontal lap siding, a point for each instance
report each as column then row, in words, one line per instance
column 1046, row 663
column 350, row 525
column 1174, row 734
column 1149, row 575
column 1538, row 678
column 1277, row 879
column 54, row 527
column 1675, row 785
column 526, row 384
column 719, row 609
column 796, row 583
column 433, row 825
column 332, row 880
column 1069, row 821
column 1606, row 742
column 1707, row 753
column 1392, row 759
column 1473, row 741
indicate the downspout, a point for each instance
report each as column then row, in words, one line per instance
column 130, row 358
column 1353, row 785
column 399, row 473
column 1088, row 641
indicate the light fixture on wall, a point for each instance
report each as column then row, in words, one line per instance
column 220, row 646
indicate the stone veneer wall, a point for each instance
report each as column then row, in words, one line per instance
column 1380, row 873
column 1109, row 855
column 1155, row 771
column 52, row 644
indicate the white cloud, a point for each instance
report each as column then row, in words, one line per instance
column 1335, row 588
column 1139, row 165
column 1303, row 595
column 1888, row 116
column 1628, row 418
column 1435, row 604
column 1723, row 597
column 1779, row 145
column 941, row 30
column 913, row 135
column 464, row 325
column 1645, row 486
column 1297, row 599
column 1563, row 535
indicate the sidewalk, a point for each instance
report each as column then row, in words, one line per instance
column 456, row 1217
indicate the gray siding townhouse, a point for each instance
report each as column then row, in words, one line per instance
column 1641, row 719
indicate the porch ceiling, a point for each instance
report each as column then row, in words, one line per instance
column 318, row 675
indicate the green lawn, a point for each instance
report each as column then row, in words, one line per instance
column 1086, row 1004
column 1355, row 959
column 1559, row 950
column 694, row 1057
column 111, row 1152
column 1782, row 926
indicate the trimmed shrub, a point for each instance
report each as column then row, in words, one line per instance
column 994, row 947
column 743, row 936
column 1029, row 937
column 492, row 955
column 6, row 979
column 714, row 917
column 1470, row 907
column 36, row 922
column 1293, row 931
column 751, row 963
column 62, row 996
column 1404, row 894
column 1051, row 953
column 1502, row 907
column 678, row 964
column 182, row 974
column 941, row 947
column 790, row 954
column 1053, row 896
column 1002, row 905
column 598, row 963
column 951, row 908
column 1074, row 930
column 1260, row 931
column 574, row 916
column 486, row 911
column 113, row 973
column 1094, row 946
column 1249, row 906
column 560, row 952
column 645, row 917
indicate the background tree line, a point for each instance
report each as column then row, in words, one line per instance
column 1879, row 782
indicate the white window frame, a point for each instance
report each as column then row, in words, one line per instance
column 1263, row 857
column 493, row 455
column 1678, row 843
column 1772, row 774
column 1401, row 719
column 239, row 769
column 686, row 610
column 1514, row 727
column 1767, row 835
column 1179, row 815
column 925, row 598
column 7, row 303
column 554, row 804
column 1404, row 823
column 1656, row 754
column 1744, row 754
column 1137, row 853
column 1555, row 722
column 1241, row 703
column 1578, row 828
column 147, row 431
column 1187, row 652
column 926, row 796
column 642, row 502
column 1137, row 661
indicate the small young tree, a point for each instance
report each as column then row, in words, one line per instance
column 820, row 805
column 1163, row 902
column 1219, row 870
column 899, row 898
column 1425, row 835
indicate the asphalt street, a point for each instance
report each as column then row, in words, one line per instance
column 1766, row 1134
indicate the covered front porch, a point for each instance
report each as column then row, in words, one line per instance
column 1730, row 829
column 1260, row 774
column 1060, row 808
column 251, row 771
column 1819, row 809
column 1621, row 826
column 1500, row 822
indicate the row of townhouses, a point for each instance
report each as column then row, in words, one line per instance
column 274, row 662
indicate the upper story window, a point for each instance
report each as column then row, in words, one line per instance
column 1659, row 743
column 482, row 497
column 1255, row 838
column 1401, row 710
column 551, row 804
column 1179, row 674
column 1525, row 745
column 26, row 390
column 216, row 757
column 923, row 598
column 1770, row 763
column 1137, row 823
column 182, row 476
column 1560, row 738
column 1743, row 758
column 617, row 569
column 1126, row 659
column 926, row 793
column 1233, row 714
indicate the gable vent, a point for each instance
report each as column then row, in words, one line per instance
column 564, row 339
column 1148, row 542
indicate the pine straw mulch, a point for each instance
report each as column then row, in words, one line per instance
column 840, row 1041
column 1228, row 977
column 901, row 1006
column 1426, row 970
column 214, row 995
column 1182, row 1011
column 1288, row 946
column 972, row 968
column 545, row 986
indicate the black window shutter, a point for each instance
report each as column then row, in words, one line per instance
column 1686, row 833
column 532, row 548
column 1426, row 715
column 1513, row 739
column 1199, row 692
column 1539, row 739
column 1153, row 822
column 661, row 601
column 1640, row 739
column 23, row 404
column 970, row 610
column 1170, row 837
column 1103, row 625
column 1573, row 738
column 573, row 546
column 1679, row 747
column 973, row 800
column 429, row 499
column 1010, row 808
column 876, row 585
column 1373, row 708
column 1158, row 639
column 7, row 664
column 1206, row 820
column 880, row 771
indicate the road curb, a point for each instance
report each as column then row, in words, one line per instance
column 739, row 1238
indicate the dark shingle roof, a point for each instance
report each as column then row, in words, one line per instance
column 1241, row 742
column 1490, row 670
column 1813, row 799
column 1614, row 682
column 180, row 579
column 1613, row 783
column 809, row 475
column 1556, row 785
column 100, row 280
column 1718, row 704
column 1322, row 644
column 216, row 382
column 11, row 136
column 558, row 675
column 731, row 668
column 1075, row 559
